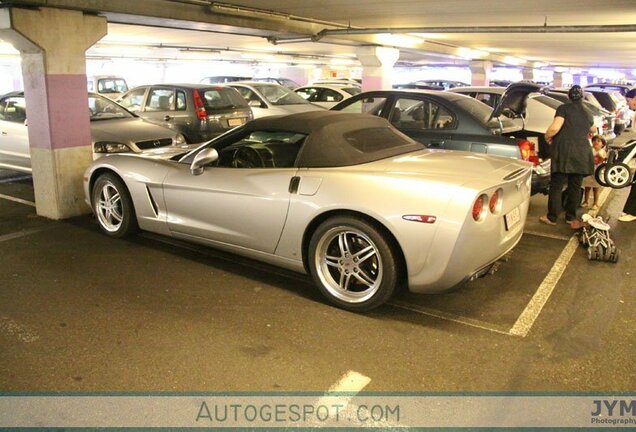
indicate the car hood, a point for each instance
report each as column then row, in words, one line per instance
column 128, row 130
column 460, row 167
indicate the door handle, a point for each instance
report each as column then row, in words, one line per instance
column 167, row 118
column 293, row 184
column 437, row 143
column 4, row 133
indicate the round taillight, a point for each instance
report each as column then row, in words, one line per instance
column 478, row 207
column 495, row 201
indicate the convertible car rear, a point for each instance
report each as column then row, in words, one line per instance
column 344, row 197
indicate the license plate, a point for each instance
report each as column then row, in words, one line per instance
column 512, row 218
column 235, row 122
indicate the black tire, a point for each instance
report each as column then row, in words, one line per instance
column 618, row 175
column 599, row 174
column 113, row 206
column 350, row 284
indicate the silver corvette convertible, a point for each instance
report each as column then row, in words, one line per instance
column 344, row 197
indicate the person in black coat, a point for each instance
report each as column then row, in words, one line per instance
column 629, row 211
column 572, row 156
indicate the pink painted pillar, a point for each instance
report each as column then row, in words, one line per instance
column 53, row 43
column 377, row 67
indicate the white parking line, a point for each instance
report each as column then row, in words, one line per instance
column 23, row 233
column 450, row 317
column 533, row 309
column 18, row 200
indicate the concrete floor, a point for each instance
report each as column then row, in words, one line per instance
column 83, row 312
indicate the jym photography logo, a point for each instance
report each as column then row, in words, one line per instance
column 614, row 411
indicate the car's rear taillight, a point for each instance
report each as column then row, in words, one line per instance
column 495, row 201
column 478, row 207
column 198, row 106
column 528, row 152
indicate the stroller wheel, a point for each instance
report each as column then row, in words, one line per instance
column 599, row 174
column 618, row 175
column 592, row 253
column 613, row 257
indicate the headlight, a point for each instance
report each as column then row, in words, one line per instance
column 179, row 140
column 111, row 147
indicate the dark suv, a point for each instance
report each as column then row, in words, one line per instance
column 198, row 111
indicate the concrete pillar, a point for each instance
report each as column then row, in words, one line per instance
column 53, row 43
column 527, row 73
column 480, row 72
column 301, row 75
column 557, row 79
column 377, row 66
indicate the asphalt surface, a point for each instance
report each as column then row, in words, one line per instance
column 83, row 312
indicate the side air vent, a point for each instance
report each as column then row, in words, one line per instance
column 515, row 174
column 153, row 203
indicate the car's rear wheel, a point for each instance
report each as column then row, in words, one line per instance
column 113, row 206
column 353, row 263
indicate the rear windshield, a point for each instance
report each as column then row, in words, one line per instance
column 222, row 98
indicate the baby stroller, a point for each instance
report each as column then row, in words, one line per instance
column 595, row 237
column 616, row 172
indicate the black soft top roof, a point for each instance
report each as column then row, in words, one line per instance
column 339, row 139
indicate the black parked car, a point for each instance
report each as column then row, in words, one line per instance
column 198, row 111
column 456, row 122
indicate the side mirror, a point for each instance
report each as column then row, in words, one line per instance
column 203, row 158
column 255, row 104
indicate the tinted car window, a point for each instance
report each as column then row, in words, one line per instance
column 353, row 90
column 308, row 93
column 421, row 114
column 222, row 98
column 181, row 101
column 369, row 105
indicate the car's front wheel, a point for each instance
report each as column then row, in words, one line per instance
column 113, row 206
column 353, row 263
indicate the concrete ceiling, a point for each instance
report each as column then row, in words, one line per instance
column 226, row 30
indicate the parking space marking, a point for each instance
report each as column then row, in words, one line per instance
column 539, row 299
column 18, row 200
column 23, row 233
column 547, row 235
column 451, row 317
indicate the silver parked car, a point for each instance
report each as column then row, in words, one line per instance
column 267, row 99
column 113, row 130
column 344, row 197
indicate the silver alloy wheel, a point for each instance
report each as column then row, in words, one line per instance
column 109, row 207
column 348, row 264
column 617, row 175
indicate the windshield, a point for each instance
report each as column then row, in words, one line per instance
column 102, row 108
column 279, row 95
column 112, row 85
